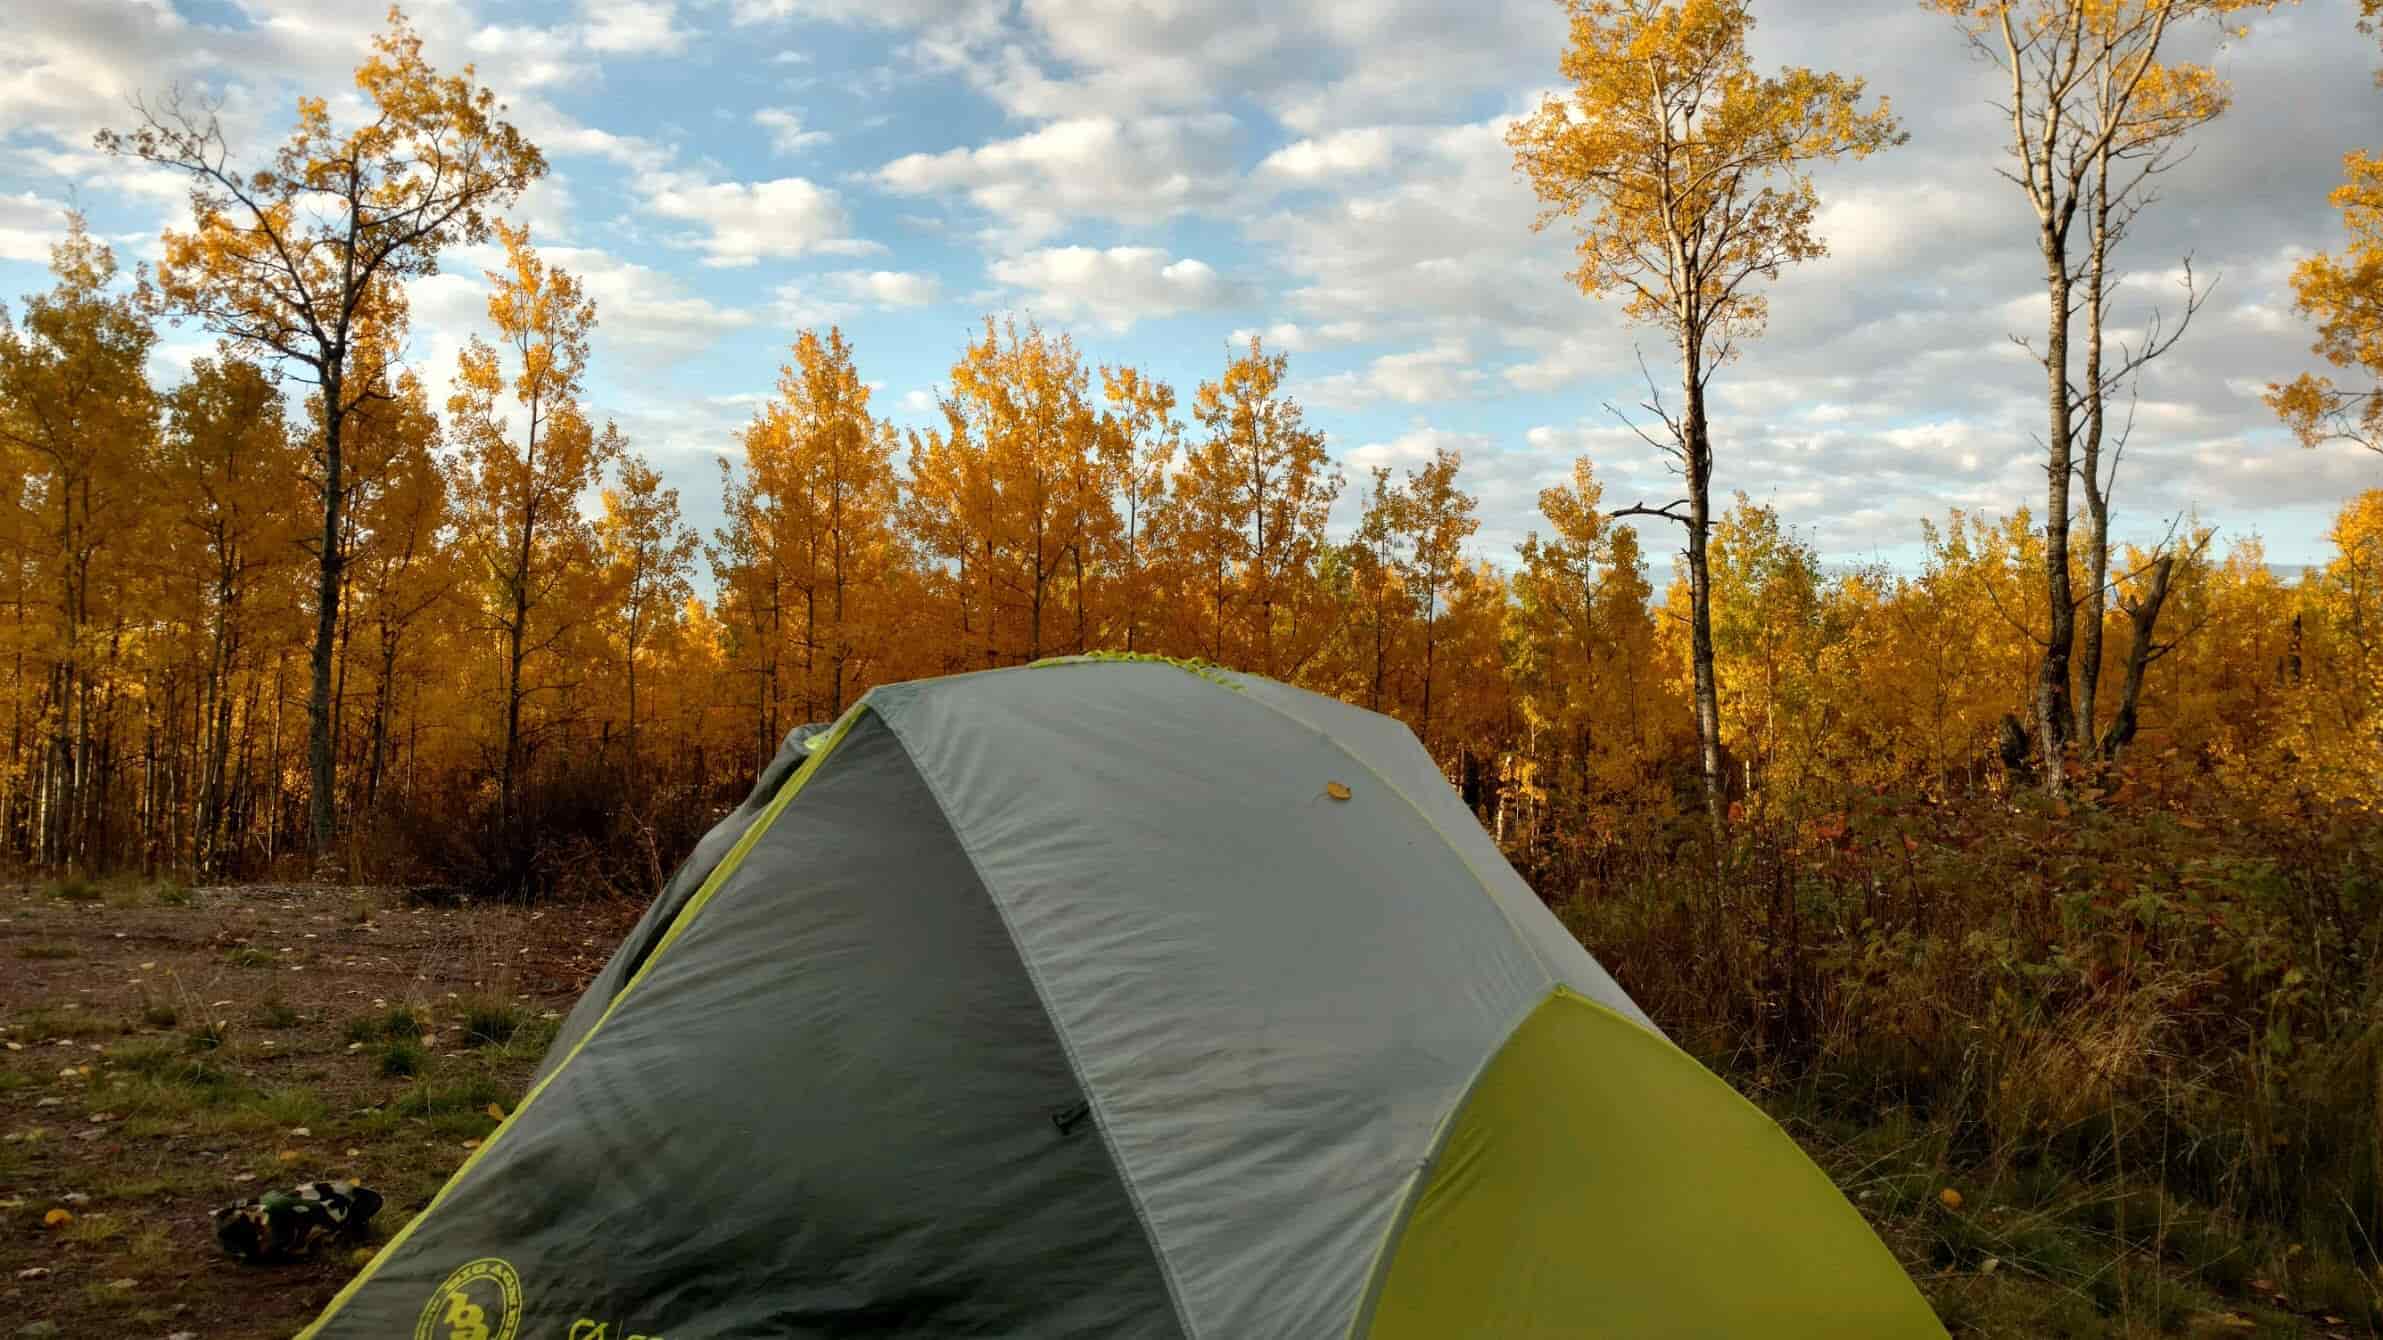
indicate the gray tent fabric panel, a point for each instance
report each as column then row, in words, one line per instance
column 1273, row 997
column 827, row 1109
column 1390, row 749
column 683, row 882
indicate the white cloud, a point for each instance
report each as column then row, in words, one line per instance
column 785, row 127
column 1341, row 154
column 30, row 226
column 920, row 403
column 635, row 27
column 1136, row 172
column 743, row 222
column 1291, row 337
column 969, row 15
column 534, row 57
column 1117, row 287
column 557, row 135
column 1416, row 448
column 1442, row 371
column 890, row 288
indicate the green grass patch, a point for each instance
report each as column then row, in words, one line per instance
column 208, row 1035
column 491, row 1022
column 274, row 1012
column 400, row 1057
column 45, row 1025
column 49, row 953
column 74, row 889
column 294, row 1107
column 90, row 1230
column 172, row 893
column 248, row 956
column 160, row 1014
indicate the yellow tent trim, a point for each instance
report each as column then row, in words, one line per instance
column 678, row 924
column 1598, row 1174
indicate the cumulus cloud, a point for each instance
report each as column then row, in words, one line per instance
column 1134, row 172
column 785, row 127
column 1117, row 286
column 29, row 226
column 633, row 27
column 1291, row 337
column 1344, row 153
column 1443, row 371
column 890, row 288
column 743, row 222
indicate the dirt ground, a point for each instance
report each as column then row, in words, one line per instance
column 171, row 1050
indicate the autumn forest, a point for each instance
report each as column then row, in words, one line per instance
column 2050, row 847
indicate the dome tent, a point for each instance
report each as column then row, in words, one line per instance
column 1097, row 998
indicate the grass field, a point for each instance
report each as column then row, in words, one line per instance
column 168, row 1050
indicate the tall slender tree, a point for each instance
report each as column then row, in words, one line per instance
column 284, row 259
column 77, row 411
column 649, row 553
column 526, row 451
column 1685, row 172
column 2094, row 115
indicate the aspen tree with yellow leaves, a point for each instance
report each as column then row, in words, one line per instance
column 1271, row 478
column 649, row 554
column 2095, row 113
column 284, row 259
column 2343, row 295
column 227, row 452
column 1440, row 518
column 1140, row 437
column 1685, row 173
column 78, row 419
column 525, row 451
column 811, row 515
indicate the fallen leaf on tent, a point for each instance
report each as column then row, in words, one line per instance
column 1950, row 1197
column 57, row 1219
column 495, row 1112
column 1336, row 790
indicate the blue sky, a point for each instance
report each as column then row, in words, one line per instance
column 1156, row 176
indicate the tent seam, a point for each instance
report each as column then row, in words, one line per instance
column 720, row 874
column 1067, row 1044
column 1377, row 1270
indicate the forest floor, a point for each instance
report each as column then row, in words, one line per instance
column 170, row 1050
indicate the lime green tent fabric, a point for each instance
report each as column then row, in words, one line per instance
column 1098, row 998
